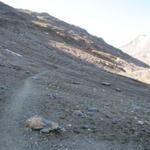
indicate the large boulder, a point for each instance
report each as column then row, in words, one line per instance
column 42, row 124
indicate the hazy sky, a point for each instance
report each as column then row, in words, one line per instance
column 116, row 21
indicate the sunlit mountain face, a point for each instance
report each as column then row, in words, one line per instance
column 139, row 48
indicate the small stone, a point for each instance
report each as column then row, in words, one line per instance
column 85, row 127
column 27, row 72
column 52, row 95
column 140, row 122
column 106, row 83
column 76, row 131
column 36, row 143
column 78, row 113
column 54, row 145
column 135, row 118
column 77, row 106
column 46, row 33
column 101, row 119
column 69, row 125
column 34, row 77
column 93, row 109
column 108, row 116
column 90, row 113
column 62, row 117
column 118, row 90
column 45, row 130
column 63, row 129
column 115, row 121
column 89, row 129
column 2, row 87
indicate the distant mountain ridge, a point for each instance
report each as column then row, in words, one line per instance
column 139, row 48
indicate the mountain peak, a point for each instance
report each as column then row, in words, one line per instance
column 141, row 37
column 139, row 48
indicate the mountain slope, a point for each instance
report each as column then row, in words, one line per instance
column 139, row 48
column 59, row 71
column 69, row 38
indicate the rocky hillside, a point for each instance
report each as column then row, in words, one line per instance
column 139, row 48
column 62, row 32
column 61, row 72
column 56, row 34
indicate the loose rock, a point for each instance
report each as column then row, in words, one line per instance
column 85, row 127
column 52, row 95
column 79, row 113
column 115, row 121
column 45, row 130
column 93, row 109
column 106, row 83
column 42, row 124
column 118, row 90
column 140, row 122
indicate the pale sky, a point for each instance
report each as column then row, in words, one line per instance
column 116, row 21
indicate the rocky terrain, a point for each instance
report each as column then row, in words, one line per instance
column 61, row 72
column 139, row 48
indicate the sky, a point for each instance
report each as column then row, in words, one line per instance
column 116, row 21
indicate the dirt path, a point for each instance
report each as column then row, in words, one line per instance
column 15, row 112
